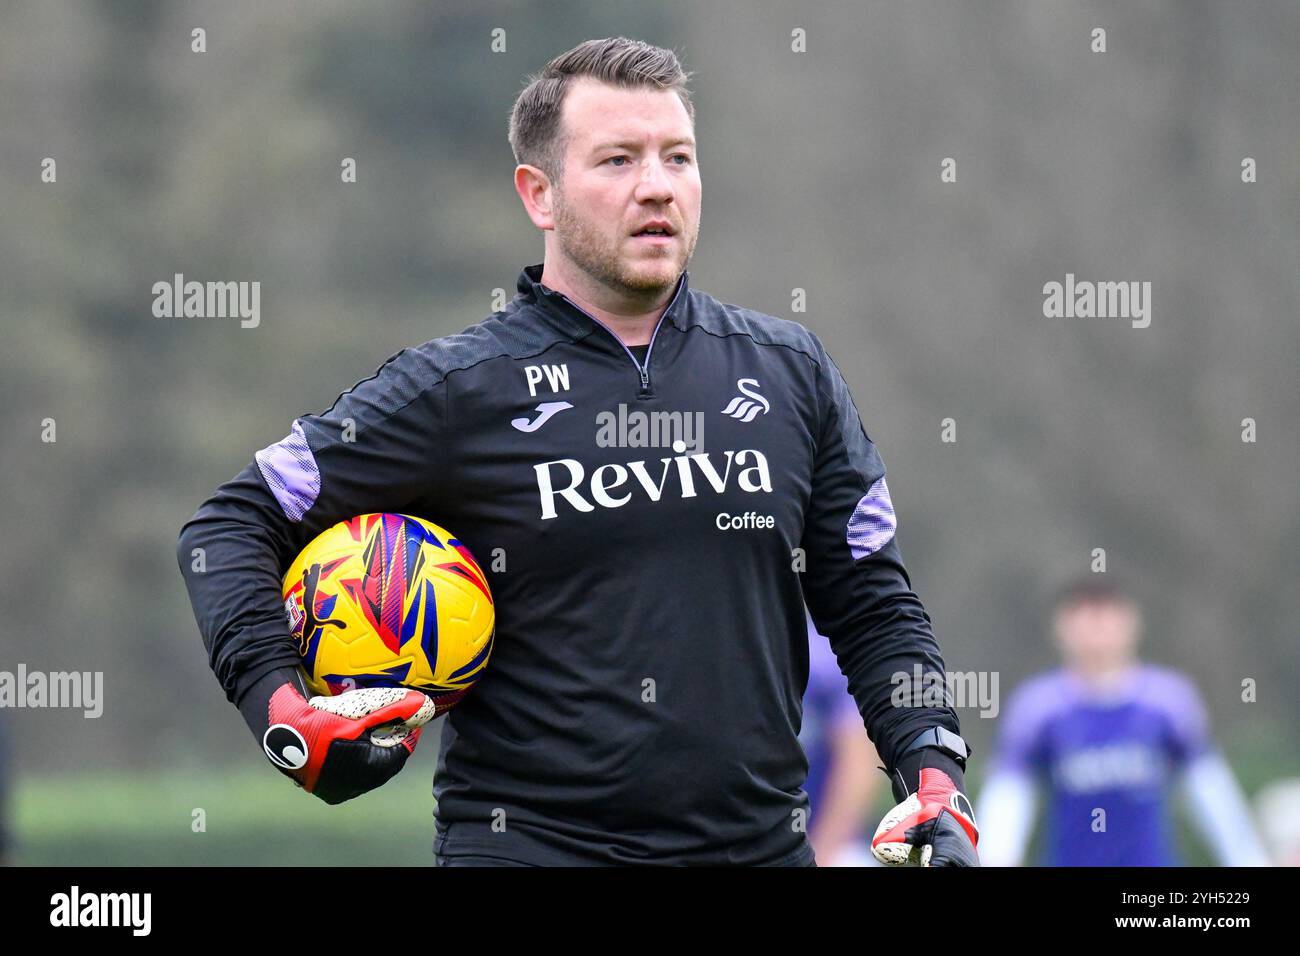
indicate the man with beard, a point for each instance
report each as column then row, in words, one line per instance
column 643, row 700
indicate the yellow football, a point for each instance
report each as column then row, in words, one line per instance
column 388, row 600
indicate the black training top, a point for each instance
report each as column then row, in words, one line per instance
column 650, row 529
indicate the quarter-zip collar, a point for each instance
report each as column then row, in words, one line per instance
column 571, row 317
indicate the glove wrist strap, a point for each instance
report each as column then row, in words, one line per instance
column 256, row 703
column 944, row 751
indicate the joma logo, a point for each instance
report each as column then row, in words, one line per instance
column 752, row 476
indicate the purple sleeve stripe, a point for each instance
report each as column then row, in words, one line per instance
column 289, row 469
column 872, row 524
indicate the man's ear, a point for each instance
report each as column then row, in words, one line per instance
column 534, row 189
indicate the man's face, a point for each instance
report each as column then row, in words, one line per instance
column 1098, row 635
column 630, row 159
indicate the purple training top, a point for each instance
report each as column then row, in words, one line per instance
column 1117, row 753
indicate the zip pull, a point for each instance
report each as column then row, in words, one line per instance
column 645, row 377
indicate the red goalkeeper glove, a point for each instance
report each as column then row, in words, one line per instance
column 335, row 748
column 933, row 823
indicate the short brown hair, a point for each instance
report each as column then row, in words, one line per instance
column 535, row 133
column 1092, row 588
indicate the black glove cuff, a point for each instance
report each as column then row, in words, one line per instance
column 906, row 777
column 255, row 704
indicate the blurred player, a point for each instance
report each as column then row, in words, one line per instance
column 842, row 781
column 1109, row 738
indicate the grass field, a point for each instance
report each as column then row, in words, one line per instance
column 252, row 816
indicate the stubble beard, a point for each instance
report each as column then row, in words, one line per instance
column 606, row 262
